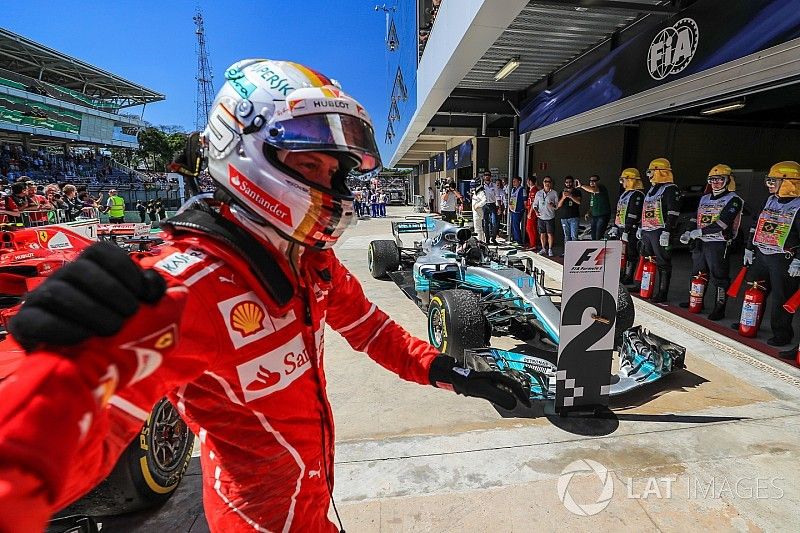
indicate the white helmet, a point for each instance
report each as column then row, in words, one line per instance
column 265, row 111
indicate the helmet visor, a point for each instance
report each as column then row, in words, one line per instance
column 329, row 132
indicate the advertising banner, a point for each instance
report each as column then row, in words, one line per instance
column 588, row 315
column 437, row 162
column 704, row 35
column 460, row 156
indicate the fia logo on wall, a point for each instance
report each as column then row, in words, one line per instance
column 672, row 49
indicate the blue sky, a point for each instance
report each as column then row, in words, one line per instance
column 153, row 42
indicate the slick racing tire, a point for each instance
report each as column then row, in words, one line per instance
column 383, row 256
column 149, row 470
column 456, row 322
column 626, row 314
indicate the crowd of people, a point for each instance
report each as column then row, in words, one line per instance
column 646, row 219
column 41, row 164
column 28, row 203
column 25, row 202
column 154, row 209
column 370, row 202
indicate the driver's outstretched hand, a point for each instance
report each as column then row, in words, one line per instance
column 478, row 379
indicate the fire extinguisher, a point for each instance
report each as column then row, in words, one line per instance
column 752, row 310
column 697, row 291
column 624, row 256
column 639, row 269
column 648, row 278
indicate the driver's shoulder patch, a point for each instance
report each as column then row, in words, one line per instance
column 179, row 263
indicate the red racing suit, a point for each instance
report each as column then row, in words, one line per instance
column 247, row 375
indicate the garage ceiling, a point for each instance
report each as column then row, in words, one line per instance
column 547, row 35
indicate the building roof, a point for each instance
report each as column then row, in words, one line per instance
column 24, row 56
column 546, row 35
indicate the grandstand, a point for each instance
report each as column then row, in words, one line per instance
column 60, row 115
column 58, row 98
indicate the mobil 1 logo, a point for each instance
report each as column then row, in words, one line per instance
column 672, row 49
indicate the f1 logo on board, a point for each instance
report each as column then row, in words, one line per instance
column 672, row 49
column 591, row 260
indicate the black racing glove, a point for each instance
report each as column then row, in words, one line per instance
column 92, row 296
column 481, row 380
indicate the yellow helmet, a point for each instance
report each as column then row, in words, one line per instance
column 660, row 171
column 785, row 169
column 660, row 163
column 631, row 179
column 721, row 169
column 788, row 172
column 631, row 174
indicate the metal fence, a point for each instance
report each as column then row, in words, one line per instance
column 33, row 219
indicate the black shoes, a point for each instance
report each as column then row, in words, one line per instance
column 788, row 354
column 778, row 341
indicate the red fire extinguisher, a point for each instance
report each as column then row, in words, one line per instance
column 648, row 278
column 637, row 276
column 624, row 256
column 697, row 291
column 752, row 310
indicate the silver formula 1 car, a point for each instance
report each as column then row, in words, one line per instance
column 471, row 292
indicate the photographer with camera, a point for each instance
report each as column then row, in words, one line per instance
column 449, row 202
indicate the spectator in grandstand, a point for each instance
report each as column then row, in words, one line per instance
column 72, row 206
column 115, row 207
column 162, row 212
column 142, row 210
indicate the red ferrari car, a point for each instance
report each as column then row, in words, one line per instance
column 152, row 466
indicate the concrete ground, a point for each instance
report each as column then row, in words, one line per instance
column 713, row 447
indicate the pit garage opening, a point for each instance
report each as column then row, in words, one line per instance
column 698, row 97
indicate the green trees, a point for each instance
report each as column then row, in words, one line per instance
column 158, row 145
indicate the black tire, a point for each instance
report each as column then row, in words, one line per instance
column 456, row 322
column 383, row 256
column 626, row 314
column 149, row 470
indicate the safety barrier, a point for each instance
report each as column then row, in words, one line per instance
column 32, row 219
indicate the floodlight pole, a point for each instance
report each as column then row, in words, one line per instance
column 205, row 85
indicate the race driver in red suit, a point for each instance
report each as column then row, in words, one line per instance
column 227, row 320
